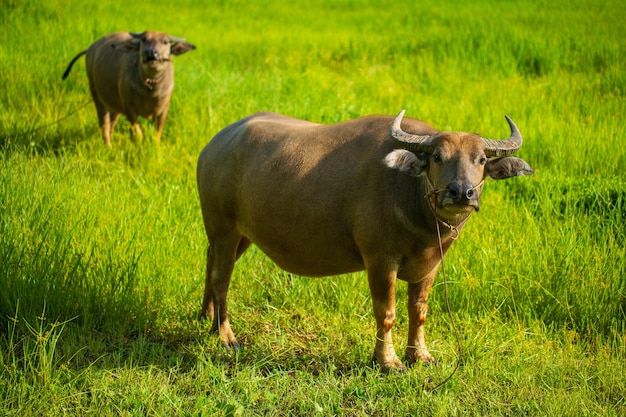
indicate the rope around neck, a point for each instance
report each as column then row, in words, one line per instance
column 431, row 197
column 445, row 288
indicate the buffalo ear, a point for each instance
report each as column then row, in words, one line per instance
column 179, row 46
column 406, row 161
column 507, row 167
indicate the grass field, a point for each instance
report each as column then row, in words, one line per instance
column 102, row 251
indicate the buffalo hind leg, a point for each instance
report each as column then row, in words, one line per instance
column 221, row 258
column 106, row 119
column 136, row 135
column 382, row 282
column 207, row 302
column 107, row 123
column 114, row 118
column 418, row 309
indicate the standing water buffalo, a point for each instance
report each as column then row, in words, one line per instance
column 131, row 74
column 330, row 199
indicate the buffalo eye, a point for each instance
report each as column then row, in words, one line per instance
column 482, row 160
column 437, row 158
column 165, row 41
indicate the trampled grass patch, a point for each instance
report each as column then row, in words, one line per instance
column 102, row 251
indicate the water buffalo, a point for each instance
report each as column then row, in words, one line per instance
column 324, row 200
column 131, row 74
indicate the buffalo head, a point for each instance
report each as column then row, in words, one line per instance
column 455, row 165
column 155, row 49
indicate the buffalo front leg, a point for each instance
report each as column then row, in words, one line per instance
column 418, row 309
column 160, row 123
column 382, row 284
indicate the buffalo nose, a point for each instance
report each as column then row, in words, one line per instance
column 461, row 192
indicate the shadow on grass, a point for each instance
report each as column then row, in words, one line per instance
column 186, row 347
column 54, row 139
column 45, row 141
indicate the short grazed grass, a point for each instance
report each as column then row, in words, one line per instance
column 102, row 251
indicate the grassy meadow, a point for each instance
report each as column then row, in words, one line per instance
column 102, row 251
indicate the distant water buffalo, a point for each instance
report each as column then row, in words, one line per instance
column 132, row 74
column 331, row 199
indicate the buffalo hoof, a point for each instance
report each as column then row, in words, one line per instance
column 234, row 347
column 412, row 363
column 413, row 356
column 395, row 366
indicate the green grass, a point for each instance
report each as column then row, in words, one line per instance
column 102, row 251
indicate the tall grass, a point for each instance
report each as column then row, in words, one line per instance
column 102, row 251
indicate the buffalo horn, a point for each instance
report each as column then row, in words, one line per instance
column 420, row 143
column 498, row 148
column 174, row 39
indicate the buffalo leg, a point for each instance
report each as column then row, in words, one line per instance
column 418, row 309
column 105, row 126
column 135, row 133
column 104, row 120
column 114, row 117
column 382, row 284
column 221, row 258
column 207, row 302
column 107, row 123
column 160, row 122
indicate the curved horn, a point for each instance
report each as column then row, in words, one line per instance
column 420, row 143
column 175, row 39
column 498, row 148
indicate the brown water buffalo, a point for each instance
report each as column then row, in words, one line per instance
column 132, row 74
column 324, row 200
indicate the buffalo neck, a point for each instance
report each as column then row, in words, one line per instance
column 413, row 201
column 152, row 80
